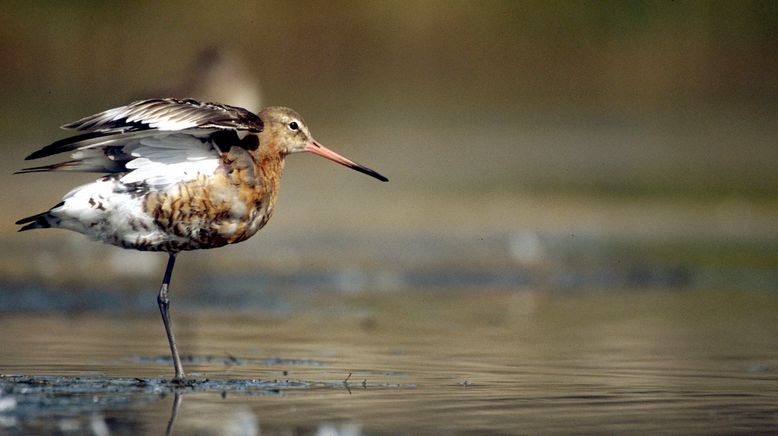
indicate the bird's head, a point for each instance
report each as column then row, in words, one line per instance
column 290, row 134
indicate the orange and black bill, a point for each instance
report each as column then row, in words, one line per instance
column 318, row 149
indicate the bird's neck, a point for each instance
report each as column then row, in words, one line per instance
column 271, row 165
column 271, row 168
column 270, row 160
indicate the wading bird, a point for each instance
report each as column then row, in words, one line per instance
column 180, row 175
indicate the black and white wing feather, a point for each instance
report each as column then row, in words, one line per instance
column 146, row 133
column 169, row 114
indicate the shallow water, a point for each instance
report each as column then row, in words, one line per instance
column 483, row 362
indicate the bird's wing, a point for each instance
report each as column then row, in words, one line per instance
column 155, row 141
column 148, row 118
column 169, row 114
column 155, row 158
column 162, row 160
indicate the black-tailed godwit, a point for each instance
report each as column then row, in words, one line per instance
column 180, row 175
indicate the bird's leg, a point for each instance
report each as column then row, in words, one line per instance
column 164, row 309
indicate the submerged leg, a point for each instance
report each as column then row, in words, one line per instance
column 164, row 309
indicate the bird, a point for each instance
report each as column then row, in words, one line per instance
column 178, row 175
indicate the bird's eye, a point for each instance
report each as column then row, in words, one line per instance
column 294, row 126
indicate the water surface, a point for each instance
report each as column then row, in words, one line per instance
column 475, row 362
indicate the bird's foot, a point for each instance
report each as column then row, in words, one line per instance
column 181, row 381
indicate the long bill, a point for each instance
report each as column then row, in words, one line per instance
column 314, row 147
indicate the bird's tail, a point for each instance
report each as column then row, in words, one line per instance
column 41, row 220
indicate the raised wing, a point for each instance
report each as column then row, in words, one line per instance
column 156, row 159
column 124, row 125
column 163, row 160
column 169, row 114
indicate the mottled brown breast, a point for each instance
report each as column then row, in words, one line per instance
column 224, row 208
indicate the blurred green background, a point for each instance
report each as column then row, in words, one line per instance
column 551, row 145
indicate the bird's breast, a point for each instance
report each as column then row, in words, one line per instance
column 214, row 210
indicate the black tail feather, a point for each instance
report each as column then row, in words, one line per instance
column 38, row 221
column 32, row 226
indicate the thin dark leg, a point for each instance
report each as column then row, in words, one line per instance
column 164, row 309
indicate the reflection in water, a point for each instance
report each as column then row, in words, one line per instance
column 238, row 421
column 492, row 362
column 178, row 397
